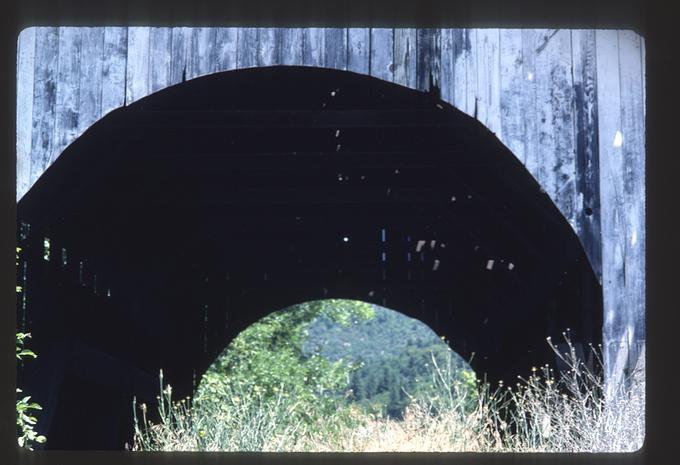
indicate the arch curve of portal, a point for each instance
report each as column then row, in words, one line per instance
column 204, row 206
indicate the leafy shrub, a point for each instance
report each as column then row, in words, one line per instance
column 26, row 420
column 267, row 362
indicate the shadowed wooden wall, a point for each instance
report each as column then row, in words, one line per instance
column 568, row 103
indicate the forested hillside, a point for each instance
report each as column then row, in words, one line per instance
column 334, row 351
column 395, row 351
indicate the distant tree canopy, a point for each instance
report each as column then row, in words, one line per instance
column 267, row 359
column 330, row 352
column 396, row 356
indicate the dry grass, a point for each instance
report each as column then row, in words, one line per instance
column 538, row 414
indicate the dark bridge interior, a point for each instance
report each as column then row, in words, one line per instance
column 175, row 222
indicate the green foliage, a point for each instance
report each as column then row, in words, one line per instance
column 389, row 385
column 22, row 351
column 267, row 361
column 459, row 414
column 396, row 354
column 243, row 421
column 26, row 420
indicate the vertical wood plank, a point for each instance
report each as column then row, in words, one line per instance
column 181, row 38
column 68, row 87
column 633, row 151
column 528, row 102
column 313, row 46
column 114, row 68
column 381, row 53
column 225, row 48
column 405, row 57
column 447, row 61
column 160, row 57
column 201, row 58
column 511, row 80
column 291, row 46
column 488, row 84
column 544, row 109
column 246, row 51
column 358, row 50
column 25, row 74
column 137, row 80
column 461, row 46
column 335, row 48
column 471, row 72
column 556, row 126
column 44, row 100
column 587, row 150
column 428, row 70
column 267, row 46
column 643, row 60
column 90, row 84
column 612, row 219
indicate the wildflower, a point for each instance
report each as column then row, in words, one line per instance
column 545, row 426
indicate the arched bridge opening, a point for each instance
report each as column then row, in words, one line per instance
column 173, row 223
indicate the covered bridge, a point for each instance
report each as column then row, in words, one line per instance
column 174, row 222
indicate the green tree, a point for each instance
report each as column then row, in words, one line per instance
column 266, row 360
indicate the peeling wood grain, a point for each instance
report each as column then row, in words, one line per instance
column 68, row 88
column 90, row 83
column 633, row 208
column 405, row 57
column 471, row 72
column 312, row 46
column 558, row 146
column 201, row 54
column 114, row 68
column 511, row 83
column 587, row 150
column 545, row 102
column 246, row 50
column 44, row 100
column 291, row 46
column 643, row 70
column 447, row 63
column 428, row 54
column 382, row 49
column 488, row 80
column 612, row 218
column 181, row 39
column 461, row 46
column 528, row 103
column 24, row 113
column 358, row 48
column 225, row 48
column 267, row 46
column 546, row 39
column 335, row 48
column 137, row 77
column 160, row 57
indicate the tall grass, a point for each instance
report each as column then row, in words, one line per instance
column 540, row 413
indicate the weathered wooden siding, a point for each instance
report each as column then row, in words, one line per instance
column 620, row 84
column 568, row 103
